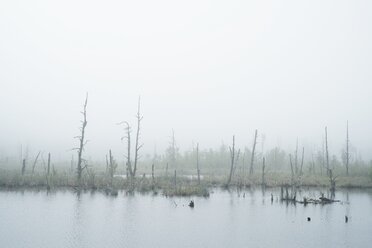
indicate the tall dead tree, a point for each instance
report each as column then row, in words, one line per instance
column 292, row 170
column 326, row 147
column 197, row 162
column 347, row 149
column 172, row 151
column 137, row 145
column 82, row 142
column 253, row 153
column 302, row 160
column 296, row 158
column 232, row 160
column 263, row 172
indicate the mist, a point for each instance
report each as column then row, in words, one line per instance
column 205, row 69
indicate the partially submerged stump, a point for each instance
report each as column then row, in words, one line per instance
column 191, row 204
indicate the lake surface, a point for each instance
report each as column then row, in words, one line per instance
column 225, row 219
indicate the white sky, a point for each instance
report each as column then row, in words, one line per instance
column 207, row 69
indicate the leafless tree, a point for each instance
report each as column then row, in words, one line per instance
column 82, row 143
column 263, row 172
column 197, row 162
column 137, row 145
column 253, row 152
column 233, row 159
column 132, row 170
column 35, row 162
column 112, row 165
column 347, row 149
column 326, row 150
column 302, row 159
column 23, row 166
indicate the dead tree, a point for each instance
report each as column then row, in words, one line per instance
column 296, row 158
column 347, row 149
column 48, row 172
column 82, row 142
column 232, row 158
column 263, row 172
column 332, row 181
column 253, row 150
column 137, row 145
column 112, row 165
column 153, row 174
column 197, row 162
column 35, row 162
column 292, row 170
column 173, row 151
column 326, row 147
column 129, row 161
column 23, row 166
column 302, row 160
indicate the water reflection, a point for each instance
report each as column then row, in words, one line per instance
column 226, row 219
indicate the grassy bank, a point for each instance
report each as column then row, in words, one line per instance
column 181, row 185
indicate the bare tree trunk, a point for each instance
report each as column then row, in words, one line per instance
column 253, row 150
column 232, row 157
column 296, row 158
column 48, row 172
column 111, row 167
column 35, row 161
column 48, row 168
column 173, row 151
column 263, row 172
column 302, row 159
column 166, row 170
column 138, row 146
column 292, row 170
column 175, row 179
column 153, row 174
column 347, row 148
column 82, row 142
column 197, row 162
column 23, row 166
column 129, row 162
column 326, row 144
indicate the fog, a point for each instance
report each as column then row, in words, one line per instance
column 206, row 69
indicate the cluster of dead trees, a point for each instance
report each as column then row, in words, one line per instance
column 111, row 164
column 131, row 164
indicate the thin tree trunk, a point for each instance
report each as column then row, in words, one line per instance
column 82, row 143
column 35, row 161
column 326, row 144
column 232, row 157
column 197, row 162
column 48, row 172
column 292, row 171
column 302, row 159
column 296, row 158
column 153, row 174
column 23, row 166
column 263, row 172
column 138, row 146
column 253, row 150
column 347, row 148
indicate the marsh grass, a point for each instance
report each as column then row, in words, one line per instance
column 98, row 179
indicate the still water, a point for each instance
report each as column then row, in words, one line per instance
column 225, row 219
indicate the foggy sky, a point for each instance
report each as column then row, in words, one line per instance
column 207, row 69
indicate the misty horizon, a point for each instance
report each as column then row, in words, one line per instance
column 208, row 70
